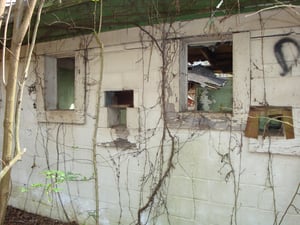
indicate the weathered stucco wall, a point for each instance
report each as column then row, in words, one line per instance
column 217, row 176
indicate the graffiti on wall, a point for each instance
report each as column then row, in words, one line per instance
column 280, row 49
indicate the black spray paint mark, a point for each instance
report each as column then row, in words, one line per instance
column 280, row 56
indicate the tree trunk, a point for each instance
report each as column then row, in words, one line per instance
column 8, row 129
column 22, row 16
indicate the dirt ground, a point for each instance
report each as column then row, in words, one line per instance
column 18, row 217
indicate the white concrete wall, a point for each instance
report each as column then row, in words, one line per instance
column 218, row 176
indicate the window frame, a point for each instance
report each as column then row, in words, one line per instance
column 215, row 106
column 241, row 74
column 183, row 82
column 52, row 68
column 74, row 116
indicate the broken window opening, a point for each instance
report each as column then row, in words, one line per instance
column 117, row 103
column 209, row 83
column 59, row 83
column 269, row 122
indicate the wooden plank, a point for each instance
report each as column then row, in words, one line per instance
column 251, row 130
column 288, row 124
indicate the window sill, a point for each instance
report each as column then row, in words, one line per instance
column 61, row 116
column 275, row 145
column 200, row 120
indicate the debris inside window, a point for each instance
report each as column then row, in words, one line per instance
column 210, row 77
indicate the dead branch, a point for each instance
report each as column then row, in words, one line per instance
column 276, row 7
column 11, row 163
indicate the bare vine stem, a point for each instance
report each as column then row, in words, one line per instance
column 57, row 168
column 97, row 116
column 163, row 175
column 276, row 7
column 290, row 204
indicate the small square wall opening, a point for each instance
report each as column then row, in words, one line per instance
column 119, row 99
column 117, row 103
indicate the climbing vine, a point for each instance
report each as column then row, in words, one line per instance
column 159, row 160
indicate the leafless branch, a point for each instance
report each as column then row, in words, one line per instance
column 293, row 7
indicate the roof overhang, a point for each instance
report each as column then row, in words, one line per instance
column 66, row 18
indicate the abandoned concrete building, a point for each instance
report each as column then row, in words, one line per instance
column 191, row 121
